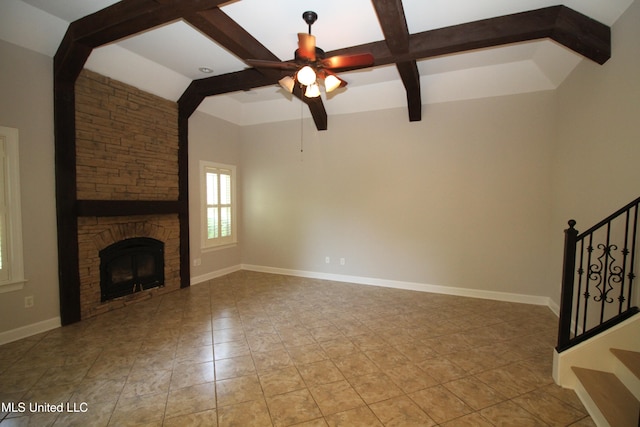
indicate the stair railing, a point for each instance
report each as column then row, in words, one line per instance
column 598, row 277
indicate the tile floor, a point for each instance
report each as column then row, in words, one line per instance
column 255, row 349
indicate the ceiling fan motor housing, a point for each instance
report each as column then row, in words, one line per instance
column 319, row 55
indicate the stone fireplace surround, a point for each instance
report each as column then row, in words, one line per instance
column 126, row 153
column 96, row 233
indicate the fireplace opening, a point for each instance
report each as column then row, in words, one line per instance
column 130, row 266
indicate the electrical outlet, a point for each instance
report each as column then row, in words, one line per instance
column 342, row 261
column 28, row 301
column 327, row 259
column 197, row 262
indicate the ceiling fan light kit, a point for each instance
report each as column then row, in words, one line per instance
column 306, row 75
column 312, row 66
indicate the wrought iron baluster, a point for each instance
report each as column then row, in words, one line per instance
column 631, row 274
column 588, row 280
column 604, row 278
column 625, row 253
column 580, row 277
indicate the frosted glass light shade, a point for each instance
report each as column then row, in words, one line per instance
column 306, row 75
column 287, row 83
column 313, row 91
column 331, row 82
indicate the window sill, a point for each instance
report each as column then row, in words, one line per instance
column 11, row 286
column 219, row 247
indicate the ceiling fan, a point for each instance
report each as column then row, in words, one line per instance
column 311, row 65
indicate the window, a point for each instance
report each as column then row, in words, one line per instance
column 11, row 264
column 219, row 204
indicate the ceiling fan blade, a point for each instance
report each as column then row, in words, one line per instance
column 307, row 46
column 259, row 63
column 348, row 61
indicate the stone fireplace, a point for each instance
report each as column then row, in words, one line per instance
column 96, row 234
column 127, row 191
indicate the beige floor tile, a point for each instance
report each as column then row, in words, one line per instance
column 95, row 391
column 355, row 364
column 256, row 349
column 442, row 369
column 410, row 378
column 200, row 419
column 386, row 357
column 234, row 367
column 226, row 335
column 139, row 409
column 190, row 355
column 253, row 413
column 145, row 381
column 415, row 351
column 97, row 415
column 292, row 408
column 471, row 420
column 191, row 374
column 304, row 354
column 474, row 392
column 549, row 409
column 269, row 360
column 322, row 372
column 264, row 342
column 511, row 380
column 191, row 399
column 238, row 390
column 375, row 387
column 227, row 349
column 440, row 404
column 401, row 412
column 336, row 397
column 510, row 414
column 281, row 381
column 357, row 417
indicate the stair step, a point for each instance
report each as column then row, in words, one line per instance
column 631, row 360
column 617, row 404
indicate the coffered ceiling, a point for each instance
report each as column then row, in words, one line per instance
column 165, row 59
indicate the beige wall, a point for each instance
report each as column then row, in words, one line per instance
column 26, row 103
column 213, row 140
column 459, row 199
column 596, row 166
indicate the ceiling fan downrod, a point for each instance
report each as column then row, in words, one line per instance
column 310, row 17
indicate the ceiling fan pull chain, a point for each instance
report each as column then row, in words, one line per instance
column 301, row 132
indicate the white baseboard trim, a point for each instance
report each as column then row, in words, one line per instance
column 29, row 330
column 214, row 274
column 413, row 286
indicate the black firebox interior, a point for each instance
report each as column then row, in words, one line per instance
column 131, row 265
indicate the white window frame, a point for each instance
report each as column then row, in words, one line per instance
column 12, row 270
column 219, row 242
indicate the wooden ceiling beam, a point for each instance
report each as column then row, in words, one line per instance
column 566, row 26
column 218, row 26
column 219, row 85
column 120, row 20
column 396, row 33
column 572, row 29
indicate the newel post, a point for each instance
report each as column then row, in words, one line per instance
column 568, row 275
